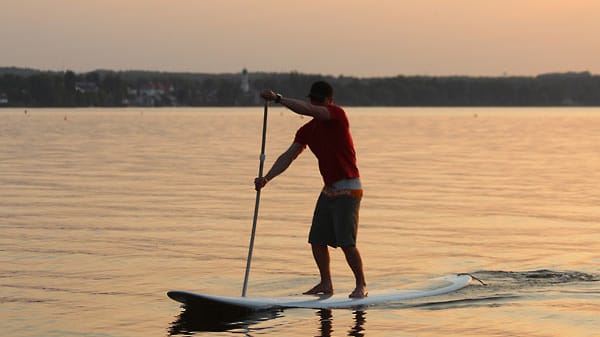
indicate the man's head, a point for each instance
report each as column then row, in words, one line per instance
column 321, row 92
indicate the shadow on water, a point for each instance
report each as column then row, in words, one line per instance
column 193, row 319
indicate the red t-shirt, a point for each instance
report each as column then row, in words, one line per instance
column 332, row 144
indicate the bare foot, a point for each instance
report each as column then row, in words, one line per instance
column 321, row 288
column 359, row 292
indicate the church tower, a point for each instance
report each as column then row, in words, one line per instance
column 245, row 85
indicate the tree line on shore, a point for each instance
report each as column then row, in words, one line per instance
column 21, row 87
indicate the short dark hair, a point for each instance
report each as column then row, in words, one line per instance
column 320, row 90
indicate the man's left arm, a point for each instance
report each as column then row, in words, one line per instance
column 281, row 164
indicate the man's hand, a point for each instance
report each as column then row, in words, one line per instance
column 268, row 95
column 259, row 183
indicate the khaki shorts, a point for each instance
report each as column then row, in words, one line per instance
column 335, row 221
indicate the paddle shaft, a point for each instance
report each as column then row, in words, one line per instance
column 260, row 174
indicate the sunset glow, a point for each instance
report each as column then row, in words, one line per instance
column 360, row 38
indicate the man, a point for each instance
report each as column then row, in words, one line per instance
column 335, row 220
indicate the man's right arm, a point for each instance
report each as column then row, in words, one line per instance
column 300, row 107
column 281, row 164
column 319, row 112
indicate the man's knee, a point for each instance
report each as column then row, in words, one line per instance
column 350, row 249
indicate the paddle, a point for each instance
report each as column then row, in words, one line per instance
column 260, row 174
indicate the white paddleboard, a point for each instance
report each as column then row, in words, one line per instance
column 438, row 286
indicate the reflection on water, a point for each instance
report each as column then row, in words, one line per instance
column 358, row 328
column 192, row 321
column 327, row 325
column 325, row 318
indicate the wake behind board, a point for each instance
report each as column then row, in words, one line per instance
column 438, row 286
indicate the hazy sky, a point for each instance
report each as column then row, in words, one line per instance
column 349, row 37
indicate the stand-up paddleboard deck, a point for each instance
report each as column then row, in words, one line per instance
column 438, row 286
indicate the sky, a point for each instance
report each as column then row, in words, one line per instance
column 367, row 38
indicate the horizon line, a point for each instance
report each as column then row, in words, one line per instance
column 503, row 75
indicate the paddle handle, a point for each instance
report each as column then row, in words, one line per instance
column 260, row 174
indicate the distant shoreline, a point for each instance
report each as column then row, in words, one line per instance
column 31, row 88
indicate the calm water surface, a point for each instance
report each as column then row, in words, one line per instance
column 102, row 211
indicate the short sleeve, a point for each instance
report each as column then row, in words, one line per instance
column 302, row 135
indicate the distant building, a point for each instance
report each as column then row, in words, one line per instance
column 86, row 87
column 3, row 98
column 151, row 94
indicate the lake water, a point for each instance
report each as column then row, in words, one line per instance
column 104, row 210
